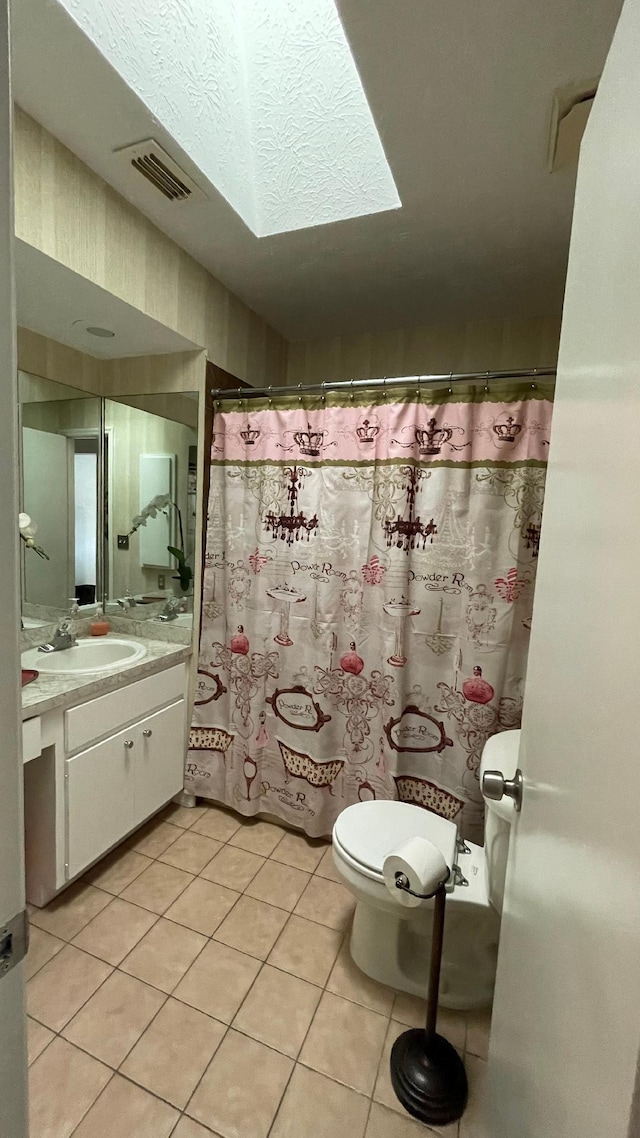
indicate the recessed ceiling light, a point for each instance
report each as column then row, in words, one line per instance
column 104, row 332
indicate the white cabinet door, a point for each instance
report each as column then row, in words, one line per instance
column 158, row 758
column 100, row 798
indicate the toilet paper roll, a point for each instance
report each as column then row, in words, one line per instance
column 421, row 862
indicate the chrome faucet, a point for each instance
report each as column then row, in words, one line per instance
column 171, row 609
column 127, row 602
column 63, row 637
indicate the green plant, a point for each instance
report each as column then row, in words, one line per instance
column 185, row 572
column 161, row 504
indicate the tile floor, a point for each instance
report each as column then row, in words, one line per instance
column 198, row 983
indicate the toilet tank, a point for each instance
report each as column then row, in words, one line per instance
column 500, row 753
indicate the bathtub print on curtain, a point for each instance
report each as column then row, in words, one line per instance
column 367, row 598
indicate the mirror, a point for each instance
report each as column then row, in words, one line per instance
column 60, row 449
column 150, row 454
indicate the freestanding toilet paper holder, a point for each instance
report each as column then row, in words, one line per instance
column 427, row 1074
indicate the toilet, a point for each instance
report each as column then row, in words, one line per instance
column 392, row 943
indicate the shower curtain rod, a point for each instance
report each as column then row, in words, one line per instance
column 241, row 393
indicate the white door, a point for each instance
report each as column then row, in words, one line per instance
column 47, row 495
column 100, row 784
column 159, row 758
column 566, row 1029
column 13, row 1067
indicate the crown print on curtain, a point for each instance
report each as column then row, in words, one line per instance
column 367, row 592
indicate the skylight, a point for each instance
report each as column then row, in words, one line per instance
column 263, row 95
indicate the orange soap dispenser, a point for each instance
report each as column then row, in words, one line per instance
column 100, row 625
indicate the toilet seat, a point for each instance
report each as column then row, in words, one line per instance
column 366, row 832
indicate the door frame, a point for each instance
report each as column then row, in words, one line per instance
column 13, row 1068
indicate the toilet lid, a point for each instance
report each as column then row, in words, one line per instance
column 368, row 831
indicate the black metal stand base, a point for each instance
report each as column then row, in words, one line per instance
column 428, row 1077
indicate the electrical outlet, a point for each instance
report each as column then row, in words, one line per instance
column 123, row 541
column 161, row 581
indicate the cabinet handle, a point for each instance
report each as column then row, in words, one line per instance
column 147, row 733
column 128, row 744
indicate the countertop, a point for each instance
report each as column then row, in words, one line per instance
column 50, row 692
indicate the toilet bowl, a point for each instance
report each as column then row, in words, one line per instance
column 392, row 943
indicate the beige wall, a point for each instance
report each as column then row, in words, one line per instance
column 72, row 215
column 47, row 358
column 481, row 346
column 135, row 432
column 138, row 375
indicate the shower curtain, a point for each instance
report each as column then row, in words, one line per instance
column 367, row 592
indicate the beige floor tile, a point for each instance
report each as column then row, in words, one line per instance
column 257, row 837
column 113, row 1020
column 153, row 838
column 383, row 1091
column 412, row 1011
column 117, row 870
column 385, row 1123
column 127, row 1111
column 171, row 1056
column 187, row 1128
column 182, row 816
column 158, row 887
column 114, row 932
column 241, row 1090
column 280, row 885
column 233, row 867
column 347, row 980
column 475, row 1120
column 59, row 989
column 163, row 956
column 316, row 1107
column 190, row 851
column 306, row 949
column 218, row 981
column 42, row 948
column 253, row 927
column 345, row 1042
column 218, row 824
column 478, row 1032
column 63, row 1084
column 38, row 1037
column 202, row 906
column 71, row 911
column 299, row 851
column 326, row 902
column 278, row 1010
column 327, row 867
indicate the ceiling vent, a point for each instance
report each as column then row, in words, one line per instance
column 569, row 115
column 150, row 160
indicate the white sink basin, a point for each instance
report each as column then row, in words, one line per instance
column 87, row 656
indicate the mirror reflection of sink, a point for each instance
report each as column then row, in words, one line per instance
column 31, row 622
column 87, row 656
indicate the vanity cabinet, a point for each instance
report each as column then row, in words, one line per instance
column 105, row 767
column 115, row 785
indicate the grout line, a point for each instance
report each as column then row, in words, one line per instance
column 208, row 939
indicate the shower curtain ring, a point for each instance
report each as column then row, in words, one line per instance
column 323, row 397
column 351, row 395
column 300, row 394
column 269, row 390
column 486, row 385
column 450, row 380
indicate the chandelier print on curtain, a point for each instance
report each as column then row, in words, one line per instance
column 367, row 594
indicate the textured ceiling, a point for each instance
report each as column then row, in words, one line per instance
column 461, row 95
column 264, row 98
